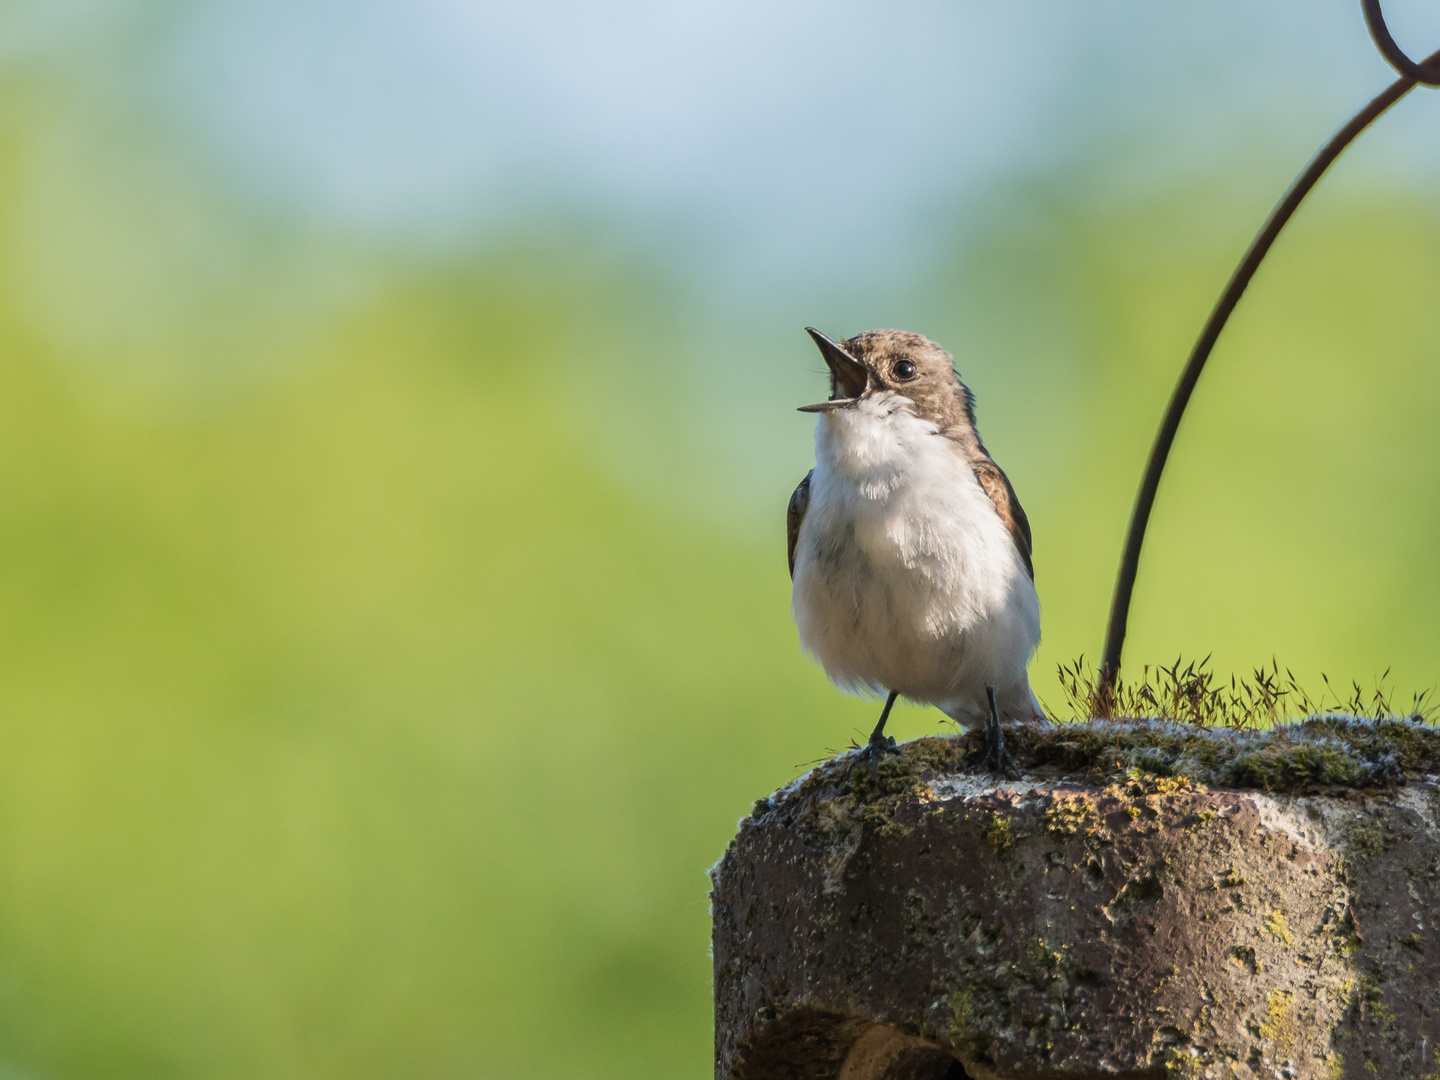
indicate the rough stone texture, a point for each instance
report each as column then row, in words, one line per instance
column 929, row 923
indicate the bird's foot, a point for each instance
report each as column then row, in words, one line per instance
column 997, row 760
column 877, row 748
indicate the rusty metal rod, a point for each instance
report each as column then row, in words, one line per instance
column 1239, row 280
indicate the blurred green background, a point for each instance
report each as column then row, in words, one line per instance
column 395, row 437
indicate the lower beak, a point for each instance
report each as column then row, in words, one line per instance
column 851, row 376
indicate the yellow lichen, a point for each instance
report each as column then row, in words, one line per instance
column 960, row 1009
column 1067, row 816
column 1279, row 1026
column 1139, row 782
column 1277, row 928
column 1184, row 1064
column 1170, row 785
column 998, row 833
column 1042, row 955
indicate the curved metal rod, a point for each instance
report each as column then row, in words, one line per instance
column 1424, row 73
column 1180, row 397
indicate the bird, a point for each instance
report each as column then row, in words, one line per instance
column 910, row 555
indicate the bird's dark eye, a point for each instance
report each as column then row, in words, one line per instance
column 904, row 370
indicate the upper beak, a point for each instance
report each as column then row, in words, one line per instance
column 851, row 377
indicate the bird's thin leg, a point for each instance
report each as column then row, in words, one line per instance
column 878, row 735
column 995, row 739
column 879, row 742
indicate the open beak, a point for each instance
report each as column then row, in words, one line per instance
column 850, row 375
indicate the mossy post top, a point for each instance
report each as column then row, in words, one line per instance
column 1114, row 912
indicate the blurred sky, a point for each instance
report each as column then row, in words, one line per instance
column 397, row 419
column 783, row 135
column 783, row 161
column 787, row 133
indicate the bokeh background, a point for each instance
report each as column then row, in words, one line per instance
column 396, row 424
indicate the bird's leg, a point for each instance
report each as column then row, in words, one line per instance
column 879, row 741
column 877, row 737
column 995, row 740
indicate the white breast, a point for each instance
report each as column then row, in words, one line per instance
column 905, row 576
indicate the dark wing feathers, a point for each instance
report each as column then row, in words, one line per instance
column 997, row 485
column 795, row 514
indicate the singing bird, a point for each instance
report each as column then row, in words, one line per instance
column 909, row 552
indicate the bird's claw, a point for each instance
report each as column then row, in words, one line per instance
column 877, row 748
column 997, row 760
column 1004, row 764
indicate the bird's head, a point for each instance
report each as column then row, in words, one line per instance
column 893, row 362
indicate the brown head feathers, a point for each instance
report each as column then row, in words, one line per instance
column 914, row 366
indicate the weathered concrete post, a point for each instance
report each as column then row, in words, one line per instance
column 1116, row 912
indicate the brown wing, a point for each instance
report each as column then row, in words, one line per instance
column 795, row 513
column 997, row 485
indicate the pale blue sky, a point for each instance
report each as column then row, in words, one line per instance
column 766, row 126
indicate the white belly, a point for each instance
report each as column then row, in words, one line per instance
column 906, row 578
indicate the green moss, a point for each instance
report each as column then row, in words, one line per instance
column 1192, row 693
column 1138, row 761
column 1244, row 955
column 1370, row 1001
column 1363, row 838
column 1149, row 757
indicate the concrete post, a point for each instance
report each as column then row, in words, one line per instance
column 1091, row 919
